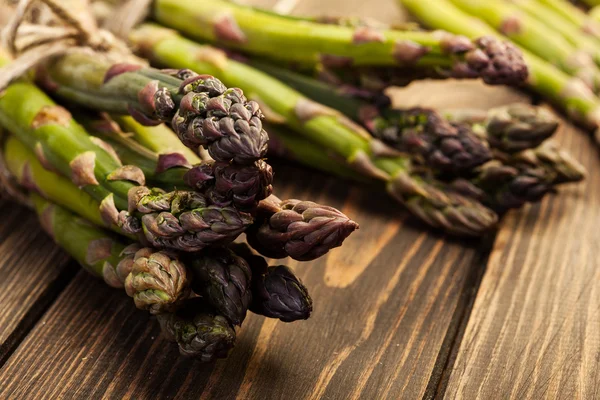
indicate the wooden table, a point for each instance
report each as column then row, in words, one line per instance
column 401, row 312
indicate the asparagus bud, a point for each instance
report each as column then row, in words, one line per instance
column 276, row 291
column 509, row 187
column 442, row 206
column 158, row 281
column 510, row 128
column 181, row 220
column 221, row 119
column 224, row 278
column 548, row 156
column 444, row 147
column 199, row 331
column 225, row 184
column 302, row 230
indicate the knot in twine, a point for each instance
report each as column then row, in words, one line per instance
column 42, row 29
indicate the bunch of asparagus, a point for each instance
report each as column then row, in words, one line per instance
column 455, row 171
column 174, row 217
column 157, row 209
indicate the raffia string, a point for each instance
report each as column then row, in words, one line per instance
column 41, row 29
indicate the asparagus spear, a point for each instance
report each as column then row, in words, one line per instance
column 310, row 43
column 576, row 16
column 301, row 229
column 529, row 32
column 506, row 182
column 511, row 128
column 202, row 110
column 180, row 219
column 157, row 280
column 568, row 93
column 276, row 291
column 571, row 33
column 339, row 137
column 417, row 131
column 224, row 279
column 199, row 331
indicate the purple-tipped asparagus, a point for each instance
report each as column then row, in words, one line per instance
column 226, row 184
column 276, row 291
column 299, row 229
column 224, row 280
column 199, row 331
column 449, row 149
column 200, row 108
column 182, row 220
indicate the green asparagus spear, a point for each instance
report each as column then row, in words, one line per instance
column 576, row 16
column 310, row 43
column 570, row 94
column 534, row 36
column 157, row 280
column 276, row 291
column 511, row 128
column 571, row 33
column 202, row 110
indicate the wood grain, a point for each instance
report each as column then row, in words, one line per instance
column 32, row 271
column 377, row 334
column 533, row 332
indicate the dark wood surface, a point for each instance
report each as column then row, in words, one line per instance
column 400, row 312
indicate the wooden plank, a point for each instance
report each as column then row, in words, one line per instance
column 33, row 271
column 533, row 331
column 382, row 307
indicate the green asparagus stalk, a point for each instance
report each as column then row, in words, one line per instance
column 511, row 128
column 164, row 169
column 417, row 131
column 342, row 139
column 548, row 16
column 217, row 117
column 311, row 43
column 534, row 36
column 159, row 139
column 28, row 172
column 574, row 15
column 180, row 219
column 282, row 230
column 568, row 93
column 557, row 163
column 157, row 280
